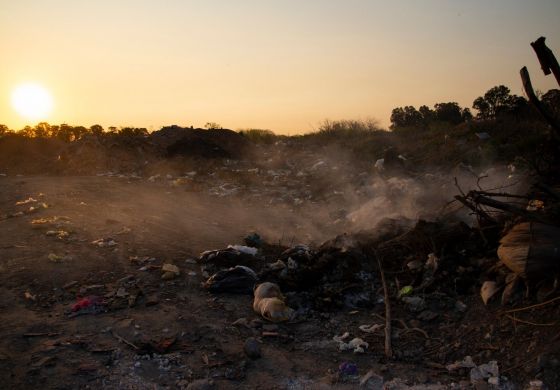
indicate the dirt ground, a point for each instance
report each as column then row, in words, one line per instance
column 172, row 333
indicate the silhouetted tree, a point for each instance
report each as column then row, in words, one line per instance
column 466, row 115
column 96, row 130
column 496, row 101
column 448, row 112
column 42, row 130
column 133, row 132
column 551, row 99
column 78, row 132
column 65, row 133
column 212, row 126
column 4, row 130
column 405, row 117
column 428, row 114
column 28, row 131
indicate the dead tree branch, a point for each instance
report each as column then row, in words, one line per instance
column 388, row 349
column 475, row 198
column 546, row 58
column 528, row 87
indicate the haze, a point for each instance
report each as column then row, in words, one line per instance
column 283, row 65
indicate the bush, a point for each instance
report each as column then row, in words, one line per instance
column 259, row 136
column 348, row 128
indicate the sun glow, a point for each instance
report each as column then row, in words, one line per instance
column 32, row 101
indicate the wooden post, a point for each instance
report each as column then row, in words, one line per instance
column 546, row 58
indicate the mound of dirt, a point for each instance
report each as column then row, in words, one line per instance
column 22, row 155
column 215, row 143
column 92, row 154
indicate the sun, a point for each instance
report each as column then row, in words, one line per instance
column 32, row 101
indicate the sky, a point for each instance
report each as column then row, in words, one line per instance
column 279, row 65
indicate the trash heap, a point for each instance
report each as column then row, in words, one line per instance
column 343, row 272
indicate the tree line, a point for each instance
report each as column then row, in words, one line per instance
column 68, row 133
column 495, row 103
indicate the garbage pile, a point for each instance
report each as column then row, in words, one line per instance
column 343, row 272
column 529, row 233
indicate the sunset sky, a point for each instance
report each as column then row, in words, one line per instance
column 280, row 65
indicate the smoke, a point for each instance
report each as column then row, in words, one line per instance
column 286, row 195
column 430, row 196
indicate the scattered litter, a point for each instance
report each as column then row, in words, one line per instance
column 536, row 384
column 141, row 260
column 357, row 345
column 535, row 205
column 460, row 306
column 54, row 258
column 60, row 234
column 432, row 262
column 56, row 220
column 252, row 348
column 244, row 249
column 169, row 271
column 484, row 371
column 88, row 305
column 269, row 303
column 277, row 266
column 414, row 304
column 405, row 291
column 488, row 290
column 104, row 242
column 216, row 260
column 236, row 280
column 124, row 230
column 371, row 380
column 467, row 362
column 30, row 296
column 253, row 240
column 348, row 369
column 371, row 328
column 26, row 201
column 121, row 292
column 179, row 182
column 34, row 209
column 427, row 315
column 415, row 265
column 70, row 284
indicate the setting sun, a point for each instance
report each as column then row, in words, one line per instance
column 32, row 101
